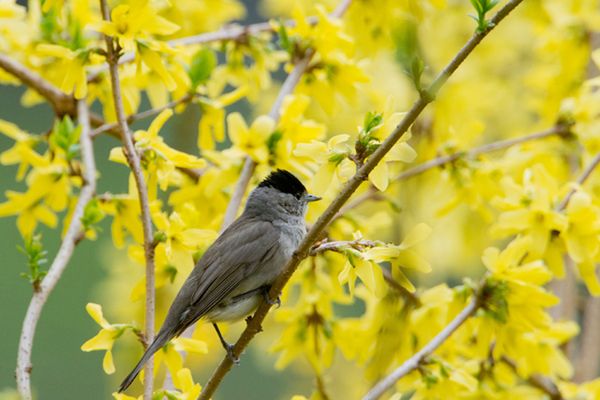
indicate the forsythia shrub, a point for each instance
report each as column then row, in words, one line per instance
column 477, row 216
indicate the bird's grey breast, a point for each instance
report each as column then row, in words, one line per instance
column 291, row 234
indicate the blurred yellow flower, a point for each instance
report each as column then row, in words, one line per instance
column 251, row 141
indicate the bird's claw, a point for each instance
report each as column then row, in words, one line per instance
column 274, row 302
column 230, row 355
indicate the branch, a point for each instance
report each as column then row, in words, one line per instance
column 359, row 244
column 588, row 360
column 114, row 126
column 580, row 181
column 61, row 102
column 233, row 32
column 254, row 325
column 560, row 129
column 133, row 159
column 38, row 300
column 538, row 381
column 417, row 359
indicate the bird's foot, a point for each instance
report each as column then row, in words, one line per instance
column 230, row 355
column 274, row 302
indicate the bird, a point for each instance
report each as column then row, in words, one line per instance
column 236, row 272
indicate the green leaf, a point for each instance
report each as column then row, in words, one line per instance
column 203, row 63
column 92, row 214
column 273, row 140
column 284, row 39
column 65, row 136
column 372, row 121
column 36, row 257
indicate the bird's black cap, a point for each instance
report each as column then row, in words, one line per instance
column 285, row 182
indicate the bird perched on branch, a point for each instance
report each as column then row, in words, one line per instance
column 237, row 270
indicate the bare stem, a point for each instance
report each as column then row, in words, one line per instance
column 538, row 381
column 133, row 159
column 580, row 181
column 255, row 323
column 38, row 300
column 417, row 359
column 142, row 115
column 559, row 129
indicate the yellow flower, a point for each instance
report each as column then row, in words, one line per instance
column 72, row 67
column 251, row 141
column 22, row 152
column 48, row 192
column 150, row 140
column 582, row 237
column 181, row 241
column 135, row 18
column 105, row 339
column 332, row 158
column 529, row 209
column 211, row 127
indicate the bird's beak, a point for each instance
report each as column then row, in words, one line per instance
column 311, row 197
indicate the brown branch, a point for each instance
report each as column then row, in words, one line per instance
column 254, row 325
column 359, row 244
column 588, row 362
column 580, row 181
column 538, row 381
column 74, row 230
column 418, row 358
column 61, row 102
column 560, row 129
column 133, row 159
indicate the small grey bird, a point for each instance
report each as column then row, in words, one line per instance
column 237, row 270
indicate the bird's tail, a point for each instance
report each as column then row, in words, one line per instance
column 159, row 341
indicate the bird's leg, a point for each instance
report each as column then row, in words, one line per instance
column 228, row 347
column 276, row 302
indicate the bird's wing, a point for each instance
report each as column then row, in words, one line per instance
column 237, row 253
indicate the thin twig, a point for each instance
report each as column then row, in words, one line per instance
column 255, row 322
column 133, row 159
column 417, row 359
column 233, row 32
column 38, row 300
column 359, row 244
column 142, row 115
column 558, row 129
column 538, row 381
column 580, row 181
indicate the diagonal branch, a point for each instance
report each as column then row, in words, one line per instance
column 580, row 181
column 254, row 325
column 74, row 232
column 417, row 359
column 133, row 159
column 61, row 102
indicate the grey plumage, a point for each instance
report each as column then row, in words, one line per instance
column 229, row 280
